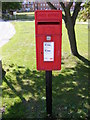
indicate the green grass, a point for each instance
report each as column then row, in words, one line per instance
column 21, row 16
column 25, row 16
column 24, row 87
column 26, row 13
column 23, row 44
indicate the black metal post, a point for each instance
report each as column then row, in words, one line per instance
column 49, row 92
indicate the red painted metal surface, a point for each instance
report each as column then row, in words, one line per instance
column 48, row 23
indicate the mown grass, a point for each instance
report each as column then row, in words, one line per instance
column 25, row 16
column 21, row 16
column 24, row 87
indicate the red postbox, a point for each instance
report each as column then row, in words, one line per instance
column 48, row 33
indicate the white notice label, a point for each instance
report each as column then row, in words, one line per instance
column 48, row 51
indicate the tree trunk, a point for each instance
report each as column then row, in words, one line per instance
column 70, row 23
column 71, row 35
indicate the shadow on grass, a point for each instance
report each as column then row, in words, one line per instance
column 83, row 59
column 69, row 93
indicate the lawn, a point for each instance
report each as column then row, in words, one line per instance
column 24, row 87
column 21, row 16
column 25, row 16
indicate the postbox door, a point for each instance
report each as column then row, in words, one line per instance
column 54, row 63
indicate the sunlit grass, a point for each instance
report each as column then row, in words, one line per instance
column 25, row 13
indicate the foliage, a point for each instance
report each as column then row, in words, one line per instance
column 10, row 6
column 85, row 13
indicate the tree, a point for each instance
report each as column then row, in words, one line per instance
column 10, row 6
column 70, row 20
column 85, row 13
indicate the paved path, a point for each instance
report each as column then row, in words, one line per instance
column 7, row 31
column 77, row 22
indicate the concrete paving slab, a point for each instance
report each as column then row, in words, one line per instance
column 7, row 31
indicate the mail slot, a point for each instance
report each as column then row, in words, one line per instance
column 48, row 34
